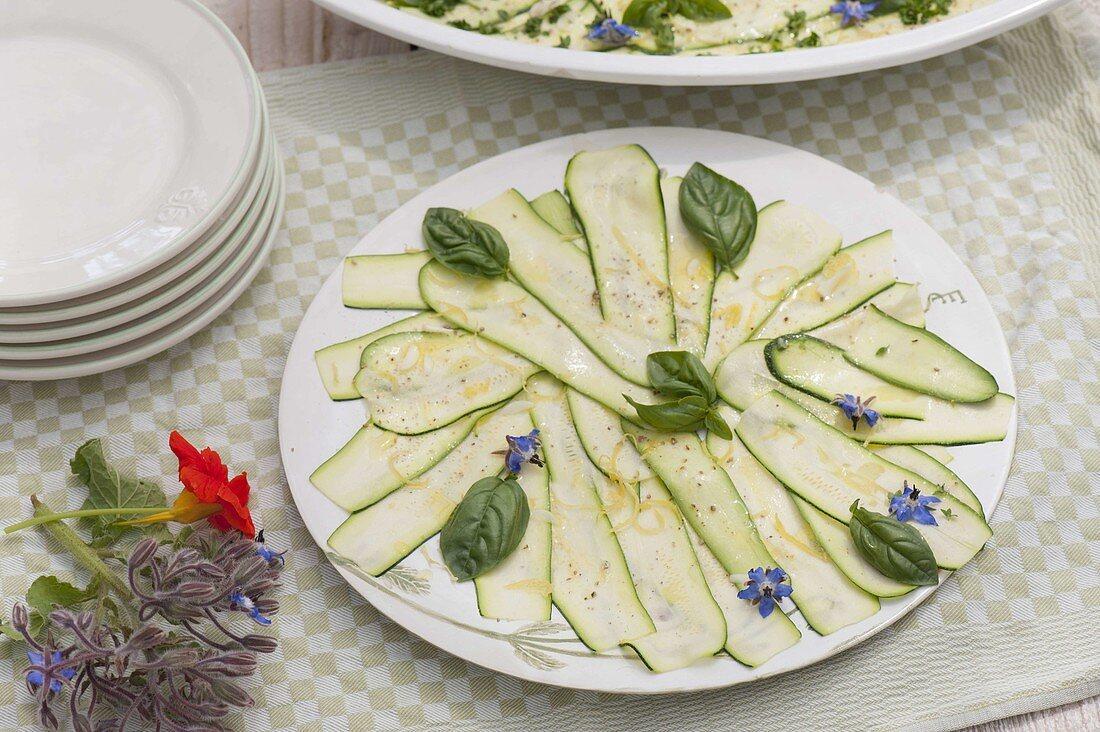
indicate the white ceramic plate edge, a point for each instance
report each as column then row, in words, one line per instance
column 988, row 464
column 797, row 65
column 161, row 340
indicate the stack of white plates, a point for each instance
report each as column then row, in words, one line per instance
column 140, row 190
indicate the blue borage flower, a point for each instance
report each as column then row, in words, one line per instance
column 35, row 677
column 523, row 449
column 268, row 554
column 611, row 32
column 908, row 504
column 766, row 587
column 853, row 11
column 245, row 604
column 855, row 407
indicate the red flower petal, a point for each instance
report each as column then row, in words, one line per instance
column 233, row 499
column 193, row 464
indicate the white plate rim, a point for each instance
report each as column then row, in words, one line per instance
column 232, row 250
column 217, row 209
column 798, row 65
column 295, row 420
column 170, row 334
column 164, row 273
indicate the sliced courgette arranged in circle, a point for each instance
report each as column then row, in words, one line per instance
column 918, row 359
column 418, row 382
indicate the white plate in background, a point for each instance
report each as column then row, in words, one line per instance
column 129, row 126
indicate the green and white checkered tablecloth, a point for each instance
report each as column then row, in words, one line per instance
column 996, row 146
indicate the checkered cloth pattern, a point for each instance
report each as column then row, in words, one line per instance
column 995, row 146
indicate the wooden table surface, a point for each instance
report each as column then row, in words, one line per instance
column 281, row 33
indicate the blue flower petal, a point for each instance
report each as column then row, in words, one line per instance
column 766, row 606
column 775, row 576
column 782, row 591
column 756, row 575
column 871, row 417
column 751, row 592
column 923, row 516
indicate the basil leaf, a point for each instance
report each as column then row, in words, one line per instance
column 720, row 212
column 470, row 247
column 703, row 9
column 892, row 547
column 717, row 424
column 486, row 526
column 108, row 489
column 648, row 13
column 683, row 415
column 680, row 374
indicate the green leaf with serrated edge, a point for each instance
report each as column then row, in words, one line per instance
column 679, row 374
column 485, row 527
column 682, row 415
column 720, row 212
column 894, row 548
column 48, row 592
column 108, row 489
column 470, row 247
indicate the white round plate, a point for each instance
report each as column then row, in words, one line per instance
column 161, row 276
column 129, row 128
column 183, row 324
column 420, row 595
column 185, row 288
column 795, row 65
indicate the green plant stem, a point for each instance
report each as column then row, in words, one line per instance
column 83, row 553
column 48, row 516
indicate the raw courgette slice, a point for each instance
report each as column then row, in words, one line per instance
column 901, row 300
column 691, row 274
column 560, row 276
column 591, row 583
column 791, row 243
column 714, row 510
column 386, row 532
column 826, row 597
column 852, row 276
column 743, row 377
column 418, row 382
column 831, row 471
column 604, row 441
column 504, row 313
column 554, row 210
column 339, row 363
column 932, row 470
column 658, row 551
column 616, row 195
column 750, row 639
column 374, row 462
column 821, row 370
column 690, row 625
column 384, row 281
column 918, row 359
column 835, row 538
column 519, row 587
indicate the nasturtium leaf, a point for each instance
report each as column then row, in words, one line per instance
column 108, row 489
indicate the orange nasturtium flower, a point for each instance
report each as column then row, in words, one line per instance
column 208, row 493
